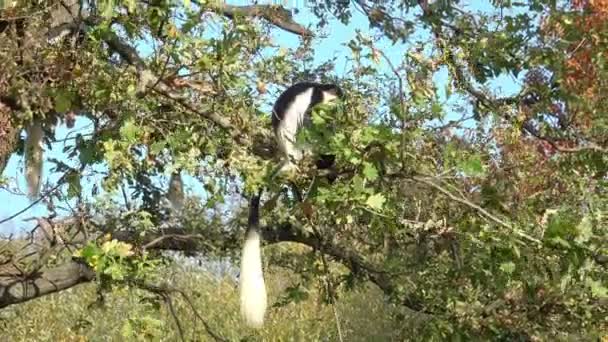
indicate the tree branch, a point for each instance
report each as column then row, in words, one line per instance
column 358, row 265
column 9, row 131
column 555, row 143
column 14, row 288
column 55, row 279
column 277, row 15
column 148, row 80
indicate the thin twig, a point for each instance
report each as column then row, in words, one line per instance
column 124, row 196
column 165, row 290
column 330, row 292
column 180, row 237
column 174, row 315
column 402, row 106
column 38, row 200
column 198, row 316
column 591, row 146
column 479, row 209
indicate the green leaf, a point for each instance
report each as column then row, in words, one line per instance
column 116, row 271
column 131, row 90
column 130, row 132
column 157, row 147
column 86, row 153
column 127, row 330
column 376, row 201
column 560, row 242
column 132, row 5
column 358, row 184
column 74, row 186
column 584, row 230
column 123, row 250
column 63, row 101
column 597, row 288
column 507, row 267
column 89, row 252
column 107, row 9
column 472, row 166
column 369, row 171
column 437, row 109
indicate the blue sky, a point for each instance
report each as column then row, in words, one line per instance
column 333, row 45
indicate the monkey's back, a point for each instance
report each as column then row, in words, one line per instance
column 281, row 106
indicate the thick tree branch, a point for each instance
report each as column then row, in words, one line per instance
column 349, row 258
column 59, row 278
column 276, row 15
column 17, row 288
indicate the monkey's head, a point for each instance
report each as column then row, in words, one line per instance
column 331, row 92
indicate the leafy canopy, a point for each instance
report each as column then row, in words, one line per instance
column 477, row 213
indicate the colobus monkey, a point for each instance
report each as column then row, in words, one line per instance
column 291, row 112
column 251, row 277
column 33, row 158
column 175, row 193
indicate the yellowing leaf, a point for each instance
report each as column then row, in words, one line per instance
column 117, row 248
column 123, row 249
column 375, row 201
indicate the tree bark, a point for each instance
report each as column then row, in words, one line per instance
column 9, row 135
column 15, row 288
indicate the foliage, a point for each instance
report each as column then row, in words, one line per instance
column 459, row 211
column 132, row 314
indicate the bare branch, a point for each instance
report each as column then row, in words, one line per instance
column 176, row 241
column 60, row 182
column 164, row 291
column 276, row 15
column 589, row 146
column 480, row 210
column 175, row 317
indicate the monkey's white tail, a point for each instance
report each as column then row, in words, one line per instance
column 175, row 194
column 251, row 281
column 33, row 159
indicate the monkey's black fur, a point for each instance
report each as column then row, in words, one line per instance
column 289, row 95
column 286, row 99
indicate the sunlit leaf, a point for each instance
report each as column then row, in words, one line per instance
column 376, row 201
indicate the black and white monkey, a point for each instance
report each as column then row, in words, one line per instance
column 175, row 193
column 34, row 158
column 291, row 112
